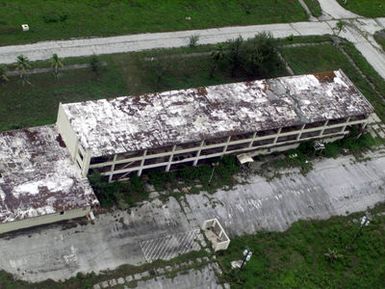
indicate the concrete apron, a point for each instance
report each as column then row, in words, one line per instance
column 162, row 230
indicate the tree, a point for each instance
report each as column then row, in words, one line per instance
column 235, row 54
column 23, row 65
column 95, row 64
column 217, row 56
column 56, row 63
column 193, row 41
column 3, row 74
column 339, row 26
column 259, row 57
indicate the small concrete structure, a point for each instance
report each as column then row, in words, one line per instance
column 25, row 27
column 215, row 233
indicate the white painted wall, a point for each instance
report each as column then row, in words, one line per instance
column 42, row 220
column 66, row 132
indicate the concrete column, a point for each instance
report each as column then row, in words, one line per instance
column 324, row 127
column 300, row 132
column 112, row 168
column 346, row 124
column 142, row 163
column 227, row 144
column 198, row 153
column 277, row 136
column 252, row 140
column 86, row 163
column 170, row 159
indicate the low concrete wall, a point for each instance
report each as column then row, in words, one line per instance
column 47, row 219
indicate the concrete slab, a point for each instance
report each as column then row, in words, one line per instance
column 192, row 279
column 170, row 246
column 332, row 9
column 59, row 253
column 334, row 187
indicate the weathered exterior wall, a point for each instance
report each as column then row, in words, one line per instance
column 120, row 166
column 46, row 219
column 65, row 129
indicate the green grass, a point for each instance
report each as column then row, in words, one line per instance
column 296, row 258
column 314, row 7
column 22, row 106
column 304, row 155
column 367, row 8
column 125, row 74
column 197, row 179
column 52, row 19
column 327, row 57
column 380, row 38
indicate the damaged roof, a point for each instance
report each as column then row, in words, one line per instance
column 37, row 175
column 110, row 126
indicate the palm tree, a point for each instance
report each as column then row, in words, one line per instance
column 217, row 56
column 235, row 54
column 340, row 25
column 56, row 63
column 23, row 65
column 3, row 74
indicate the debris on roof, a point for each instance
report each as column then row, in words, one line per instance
column 123, row 124
column 37, row 175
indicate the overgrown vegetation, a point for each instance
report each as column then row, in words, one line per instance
column 222, row 173
column 312, row 254
column 367, row 8
column 314, row 7
column 120, row 74
column 205, row 177
column 119, row 194
column 254, row 58
column 188, row 179
column 354, row 144
column 67, row 19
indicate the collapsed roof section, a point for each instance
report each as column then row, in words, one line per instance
column 38, row 177
column 111, row 126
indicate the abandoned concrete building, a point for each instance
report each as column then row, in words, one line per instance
column 128, row 135
column 39, row 183
column 43, row 170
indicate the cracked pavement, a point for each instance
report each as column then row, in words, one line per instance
column 333, row 187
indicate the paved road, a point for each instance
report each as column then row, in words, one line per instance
column 116, row 239
column 360, row 33
column 334, row 187
column 137, row 42
column 332, row 10
column 202, row 278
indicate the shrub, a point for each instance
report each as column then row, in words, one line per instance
column 193, row 41
column 55, row 17
column 95, row 64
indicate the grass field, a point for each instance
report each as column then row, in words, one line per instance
column 367, row 8
column 67, row 19
column 135, row 73
column 315, row 7
column 125, row 74
column 296, row 258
